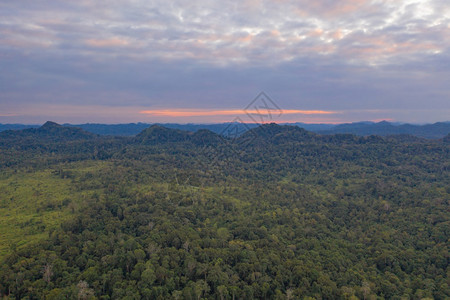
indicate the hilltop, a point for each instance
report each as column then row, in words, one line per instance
column 430, row 131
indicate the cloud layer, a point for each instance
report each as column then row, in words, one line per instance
column 385, row 59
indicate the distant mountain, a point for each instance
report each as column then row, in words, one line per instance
column 430, row 131
column 113, row 129
column 50, row 131
column 157, row 134
column 225, row 129
column 275, row 134
column 4, row 127
column 312, row 127
column 135, row 128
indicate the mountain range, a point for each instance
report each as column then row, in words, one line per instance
column 51, row 133
column 384, row 128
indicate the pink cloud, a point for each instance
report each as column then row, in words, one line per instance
column 332, row 8
column 234, row 112
column 112, row 42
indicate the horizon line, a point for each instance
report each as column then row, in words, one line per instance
column 231, row 122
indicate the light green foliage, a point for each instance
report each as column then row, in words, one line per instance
column 31, row 204
column 34, row 203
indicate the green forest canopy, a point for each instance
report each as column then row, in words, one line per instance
column 278, row 213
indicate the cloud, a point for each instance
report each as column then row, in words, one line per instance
column 112, row 42
column 235, row 32
column 310, row 55
column 234, row 112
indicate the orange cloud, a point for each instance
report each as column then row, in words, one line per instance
column 247, row 38
column 235, row 112
column 337, row 35
column 315, row 33
column 113, row 42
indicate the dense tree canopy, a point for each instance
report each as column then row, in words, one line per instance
column 278, row 213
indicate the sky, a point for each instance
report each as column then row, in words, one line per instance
column 204, row 61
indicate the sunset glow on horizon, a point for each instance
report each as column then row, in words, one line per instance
column 235, row 112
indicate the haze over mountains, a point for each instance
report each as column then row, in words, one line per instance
column 384, row 128
column 52, row 135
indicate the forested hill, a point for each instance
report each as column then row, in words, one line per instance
column 430, row 131
column 50, row 131
column 275, row 213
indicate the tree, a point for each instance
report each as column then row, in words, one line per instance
column 84, row 292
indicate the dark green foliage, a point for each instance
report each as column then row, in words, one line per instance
column 157, row 134
column 279, row 213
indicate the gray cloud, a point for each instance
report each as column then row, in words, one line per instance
column 360, row 54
